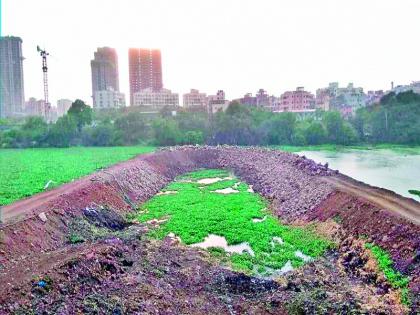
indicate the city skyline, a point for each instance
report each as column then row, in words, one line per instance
column 214, row 49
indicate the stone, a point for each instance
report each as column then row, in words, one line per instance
column 43, row 217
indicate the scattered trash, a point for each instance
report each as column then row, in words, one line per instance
column 43, row 217
column 48, row 184
column 258, row 220
column 226, row 191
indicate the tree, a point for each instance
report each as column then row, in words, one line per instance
column 166, row 132
column 81, row 113
column 63, row 131
column 132, row 128
column 100, row 135
column 193, row 137
column 315, row 133
column 282, row 128
column 34, row 130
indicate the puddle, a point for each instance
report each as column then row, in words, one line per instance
column 212, row 180
column 168, row 192
column 213, row 240
column 172, row 235
column 277, row 240
column 301, row 255
column 287, row 267
column 258, row 220
column 273, row 273
column 226, row 191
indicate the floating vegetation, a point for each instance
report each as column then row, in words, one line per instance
column 198, row 215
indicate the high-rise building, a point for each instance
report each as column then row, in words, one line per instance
column 145, row 70
column 104, row 71
column 34, row 107
column 12, row 95
column 63, row 105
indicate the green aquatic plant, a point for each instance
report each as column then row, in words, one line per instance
column 27, row 172
column 196, row 211
column 394, row 277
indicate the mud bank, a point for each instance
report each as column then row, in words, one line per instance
column 295, row 186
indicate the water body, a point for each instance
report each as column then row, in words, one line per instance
column 220, row 241
column 393, row 170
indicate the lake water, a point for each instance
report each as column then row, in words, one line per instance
column 393, row 170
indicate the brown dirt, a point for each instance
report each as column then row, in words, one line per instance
column 299, row 191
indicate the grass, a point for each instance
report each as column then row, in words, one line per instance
column 394, row 277
column 196, row 211
column 25, row 172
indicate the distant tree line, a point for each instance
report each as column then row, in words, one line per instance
column 396, row 119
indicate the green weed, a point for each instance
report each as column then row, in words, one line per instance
column 76, row 238
column 394, row 277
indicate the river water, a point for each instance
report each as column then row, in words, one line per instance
column 393, row 170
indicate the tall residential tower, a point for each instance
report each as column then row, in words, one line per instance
column 104, row 71
column 145, row 70
column 12, row 95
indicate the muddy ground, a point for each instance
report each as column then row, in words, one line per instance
column 81, row 256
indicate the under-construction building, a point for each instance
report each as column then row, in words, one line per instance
column 145, row 70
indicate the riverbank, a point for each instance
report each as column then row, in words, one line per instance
column 405, row 149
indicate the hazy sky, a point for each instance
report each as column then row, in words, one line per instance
column 235, row 45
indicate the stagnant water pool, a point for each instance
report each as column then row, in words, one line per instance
column 398, row 171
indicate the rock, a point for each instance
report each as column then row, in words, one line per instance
column 43, row 217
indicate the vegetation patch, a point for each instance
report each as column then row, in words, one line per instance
column 196, row 212
column 414, row 192
column 26, row 172
column 394, row 277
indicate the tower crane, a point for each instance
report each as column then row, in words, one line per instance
column 44, row 55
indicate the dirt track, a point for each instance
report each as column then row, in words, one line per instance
column 405, row 207
column 23, row 209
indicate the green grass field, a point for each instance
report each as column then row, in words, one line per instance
column 194, row 210
column 24, row 172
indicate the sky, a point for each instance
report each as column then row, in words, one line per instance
column 239, row 46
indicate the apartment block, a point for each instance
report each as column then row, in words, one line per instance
column 194, row 99
column 156, row 98
column 298, row 100
column 108, row 99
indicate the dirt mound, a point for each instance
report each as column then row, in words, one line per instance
column 87, row 258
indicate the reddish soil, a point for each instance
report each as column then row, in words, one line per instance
column 298, row 189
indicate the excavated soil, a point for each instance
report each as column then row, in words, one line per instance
column 71, row 251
